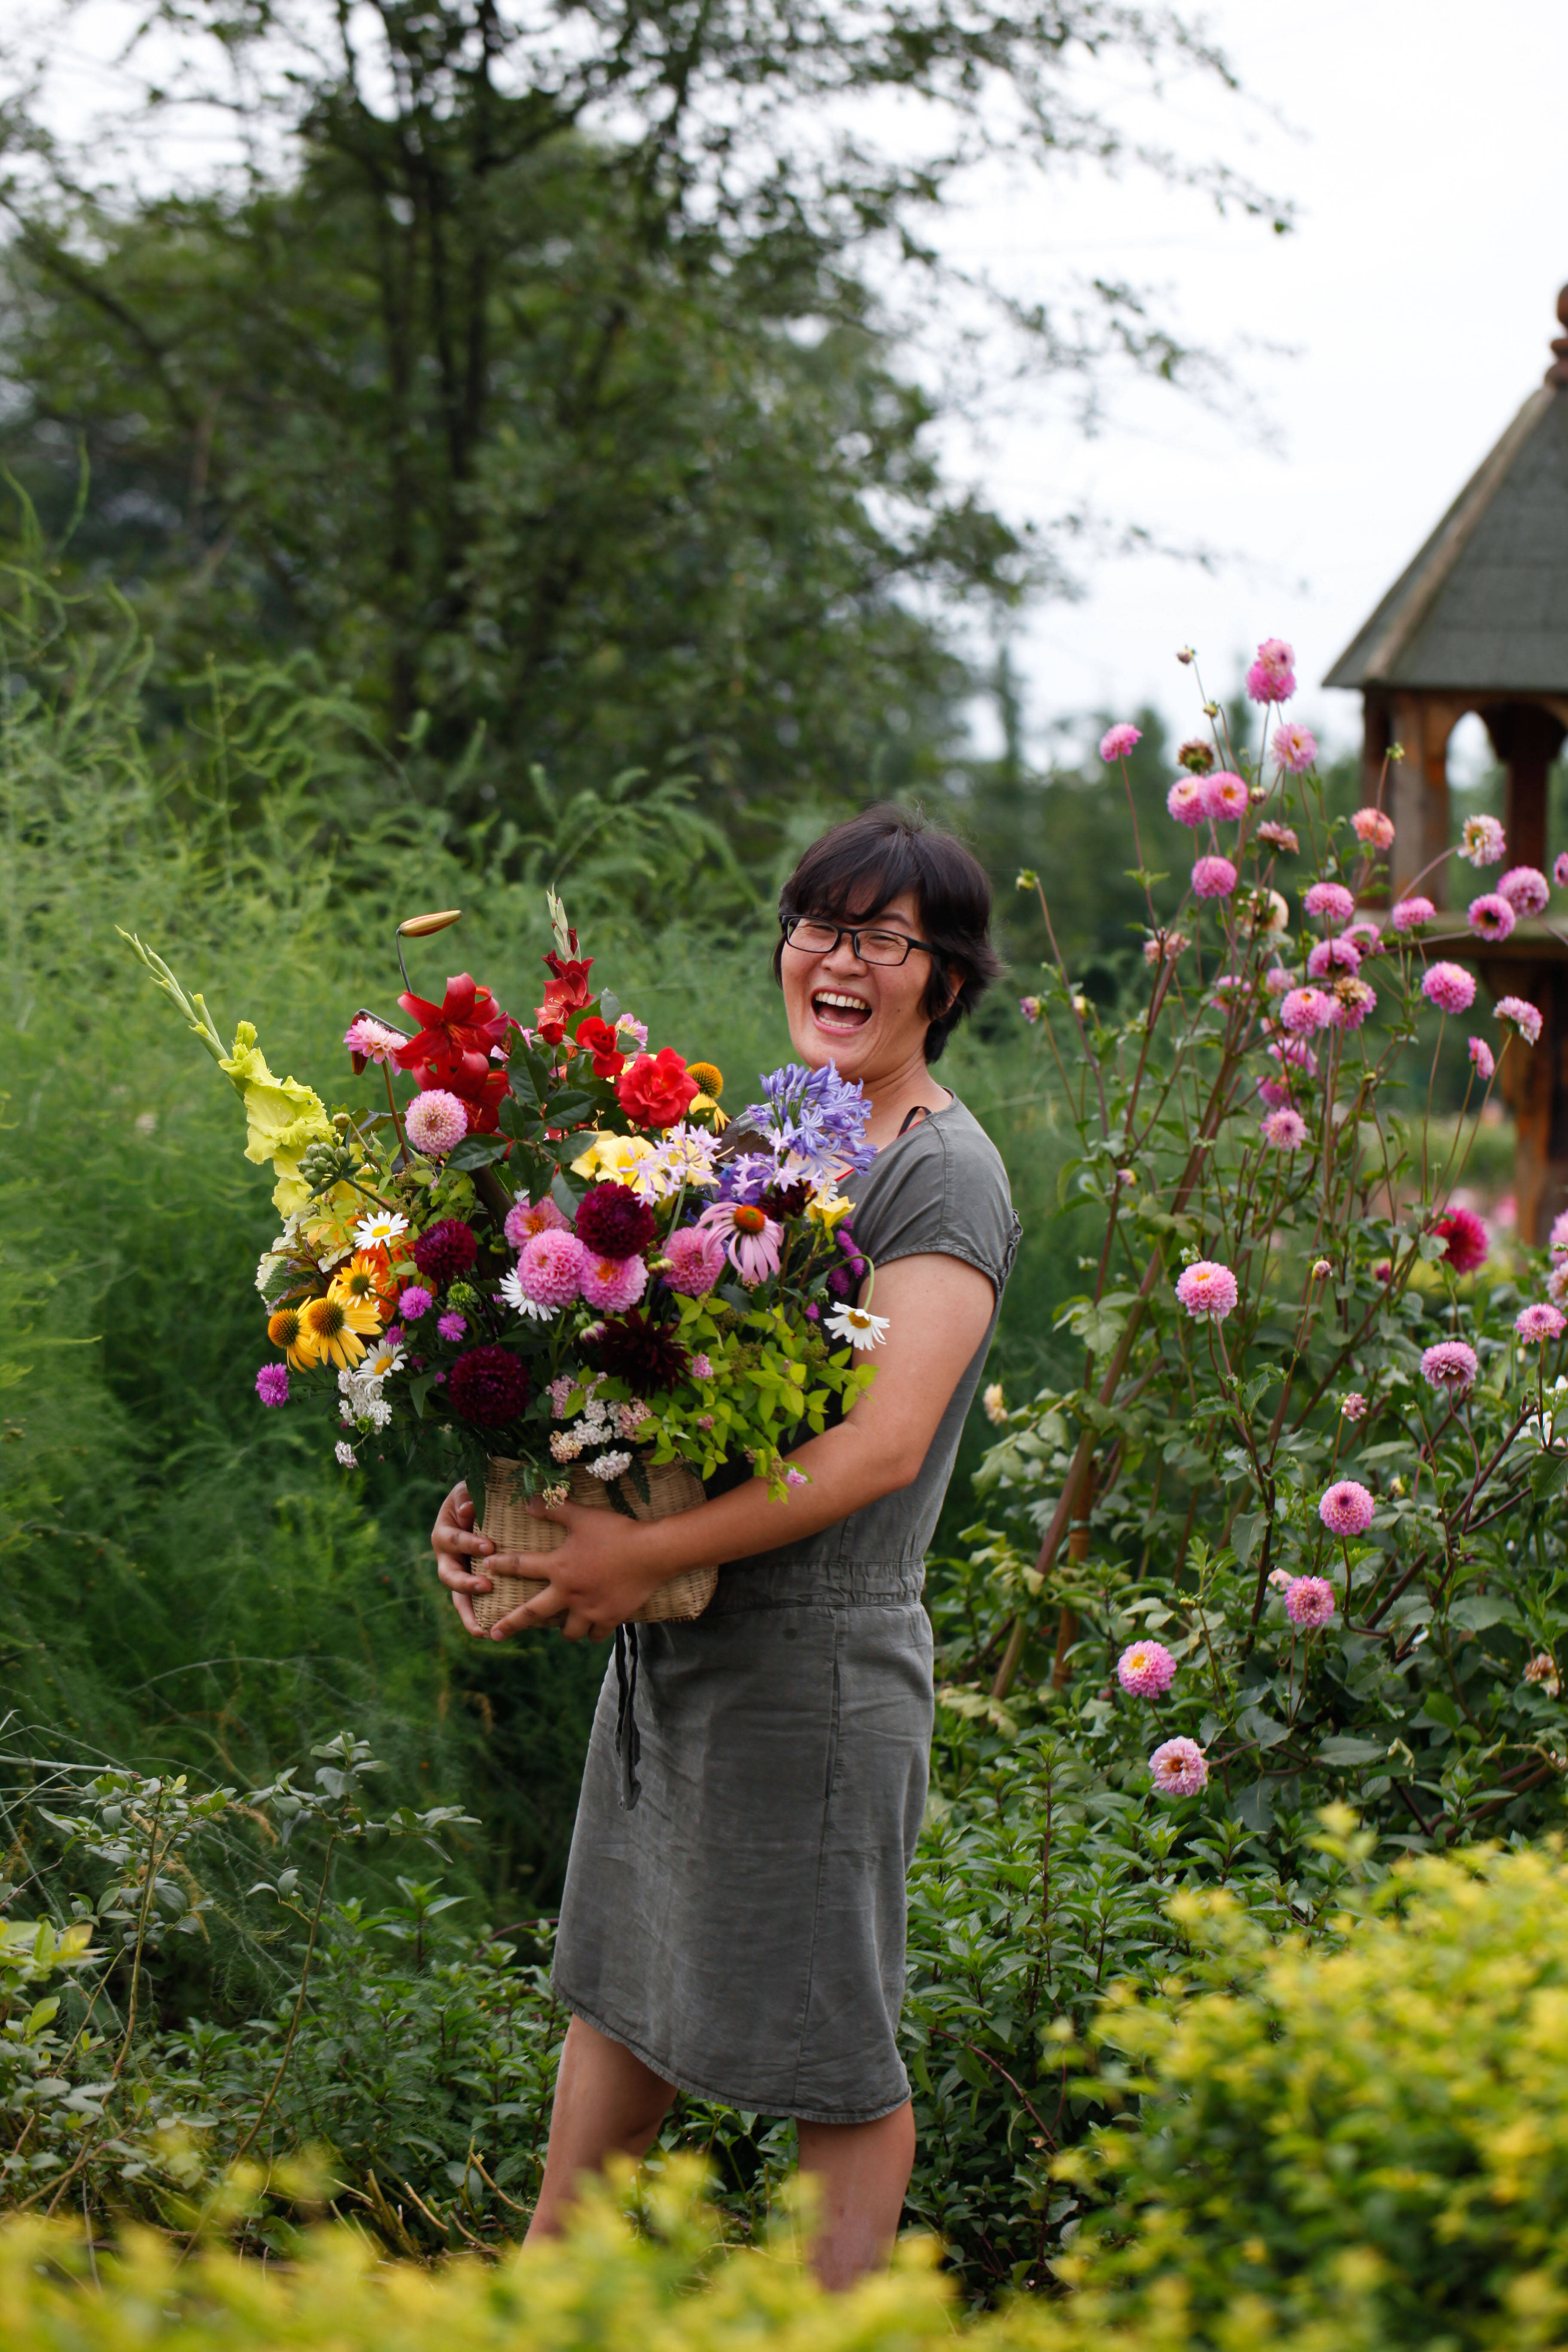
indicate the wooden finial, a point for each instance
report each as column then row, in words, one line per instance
column 1557, row 373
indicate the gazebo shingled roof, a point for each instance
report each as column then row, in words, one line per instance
column 1478, row 621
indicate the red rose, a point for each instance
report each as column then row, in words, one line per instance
column 597, row 1037
column 657, row 1089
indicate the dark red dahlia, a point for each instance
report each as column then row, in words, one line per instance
column 784, row 1200
column 1467, row 1239
column 643, row 1353
column 445, row 1251
column 612, row 1222
column 488, row 1386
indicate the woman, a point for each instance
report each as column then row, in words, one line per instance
column 740, row 1933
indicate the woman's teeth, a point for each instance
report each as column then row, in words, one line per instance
column 834, row 1011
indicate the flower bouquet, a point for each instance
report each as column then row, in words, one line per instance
column 558, row 1258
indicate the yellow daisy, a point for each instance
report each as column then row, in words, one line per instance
column 333, row 1326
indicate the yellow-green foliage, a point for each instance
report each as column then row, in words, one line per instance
column 1388, row 2120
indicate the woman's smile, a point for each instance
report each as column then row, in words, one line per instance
column 838, row 1012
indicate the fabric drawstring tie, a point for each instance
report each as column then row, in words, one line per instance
column 628, row 1740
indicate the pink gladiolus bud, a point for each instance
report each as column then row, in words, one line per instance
column 1374, row 828
column 1330, row 902
column 1525, row 1018
column 1207, row 1289
column 1180, row 1768
column 1490, row 916
column 1450, row 987
column 1346, row 1509
column 1309, row 1600
column 1413, row 914
column 1147, row 1669
column 1213, row 877
column 1118, row 741
column 1526, row 889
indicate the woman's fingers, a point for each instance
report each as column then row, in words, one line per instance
column 458, row 1578
column 465, row 1617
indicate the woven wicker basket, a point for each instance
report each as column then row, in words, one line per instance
column 512, row 1526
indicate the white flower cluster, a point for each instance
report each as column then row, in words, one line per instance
column 598, row 1424
column 363, row 1405
column 610, row 1466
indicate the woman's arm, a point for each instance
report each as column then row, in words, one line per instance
column 938, row 1310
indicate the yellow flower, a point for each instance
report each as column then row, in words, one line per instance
column 613, row 1158
column 285, row 1330
column 283, row 1118
column 709, row 1079
column 827, row 1208
column 334, row 1325
column 368, row 1276
column 700, row 1104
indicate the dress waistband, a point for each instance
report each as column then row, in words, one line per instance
column 776, row 1583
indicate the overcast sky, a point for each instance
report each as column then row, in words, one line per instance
column 1386, row 341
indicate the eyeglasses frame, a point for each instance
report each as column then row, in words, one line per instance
column 788, row 924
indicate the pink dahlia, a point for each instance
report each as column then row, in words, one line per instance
column 1451, row 1366
column 1557, row 1281
column 1365, row 938
column 451, row 1327
column 1525, row 1018
column 1332, row 957
column 1295, row 1053
column 1413, row 914
column 1117, row 741
column 1526, row 889
column 1277, row 981
column 1275, row 1093
column 1346, row 1509
column 413, row 1302
column 526, row 1218
column 1147, row 1669
column 1304, row 1011
column 1272, row 677
column 1213, row 877
column 1483, row 842
column 1164, row 947
column 1309, row 1600
column 272, row 1384
column 1450, row 987
column 549, row 1267
column 1180, row 1768
column 1465, row 1237
column 1330, row 901
column 613, row 1284
column 434, row 1122
column 695, row 1260
column 1482, row 1060
column 751, row 1238
column 1537, row 1323
column 1185, row 801
column 372, row 1041
column 1279, row 837
column 1207, row 1289
column 1294, row 747
column 1226, row 795
column 1557, row 1240
column 1351, row 1000
column 1285, row 1130
column 1031, row 1008
column 1490, row 916
column 1354, row 1406
column 1374, row 828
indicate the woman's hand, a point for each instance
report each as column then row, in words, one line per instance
column 596, row 1580
column 459, row 1547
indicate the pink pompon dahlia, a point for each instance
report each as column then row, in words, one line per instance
column 1450, row 987
column 1294, row 747
column 1557, row 1240
column 1346, row 1509
column 1272, row 677
column 1413, row 914
column 1277, row 982
column 1521, row 1016
column 1117, row 741
column 1332, row 957
column 1374, row 828
column 1526, row 889
column 272, row 1384
column 1180, row 1768
column 1309, row 1600
column 1451, row 1367
column 1465, row 1238
column 1226, row 795
column 1295, row 1053
column 751, row 1238
column 1482, row 1060
column 1275, row 1093
column 1557, row 1281
column 613, row 1284
column 1279, row 837
column 1285, row 1130
column 1330, row 902
column 369, row 1040
column 1354, row 1406
column 1537, row 1323
column 1303, row 1011
column 1213, row 877
column 1351, row 1000
column 693, row 1261
column 434, row 1122
column 550, row 1267
column 526, row 1218
column 1147, row 1669
column 1164, row 947
column 1483, row 842
column 1208, row 1290
column 1364, row 937
column 1185, row 801
column 1490, row 916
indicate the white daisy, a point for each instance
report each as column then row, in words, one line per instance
column 513, row 1291
column 859, row 1326
column 382, row 1227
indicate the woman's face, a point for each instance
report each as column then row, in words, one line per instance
column 867, row 1018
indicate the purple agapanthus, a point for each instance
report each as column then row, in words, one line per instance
column 748, row 1176
column 815, row 1120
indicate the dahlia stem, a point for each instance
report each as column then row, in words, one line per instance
column 392, row 1106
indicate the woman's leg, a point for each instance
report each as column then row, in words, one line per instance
column 863, row 2171
column 607, row 2102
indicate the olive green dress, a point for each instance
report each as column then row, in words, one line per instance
column 741, row 1927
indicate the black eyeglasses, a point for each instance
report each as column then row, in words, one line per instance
column 869, row 946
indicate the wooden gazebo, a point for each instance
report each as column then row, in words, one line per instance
column 1478, row 621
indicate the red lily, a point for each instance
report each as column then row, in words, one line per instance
column 453, row 1046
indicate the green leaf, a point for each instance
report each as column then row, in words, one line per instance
column 477, row 1152
column 419, row 1389
column 1244, row 1530
column 1261, row 1728
column 1342, row 1749
column 1477, row 1611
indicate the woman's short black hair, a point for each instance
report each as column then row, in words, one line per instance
column 857, row 867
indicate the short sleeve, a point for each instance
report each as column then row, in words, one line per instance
column 942, row 1191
